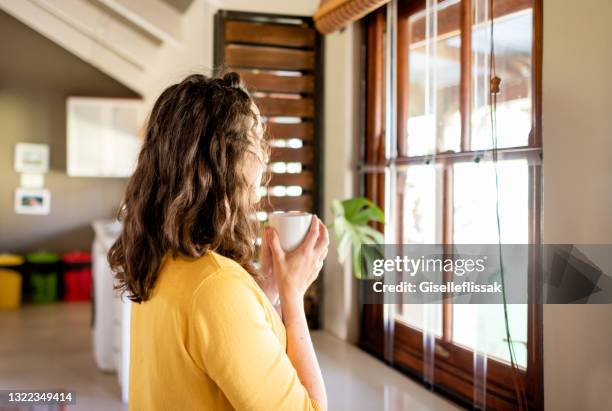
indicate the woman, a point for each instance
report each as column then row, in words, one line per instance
column 205, row 335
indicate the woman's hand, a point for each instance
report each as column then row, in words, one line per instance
column 294, row 271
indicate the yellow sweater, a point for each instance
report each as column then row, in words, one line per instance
column 209, row 339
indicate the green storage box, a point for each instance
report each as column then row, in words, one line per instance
column 43, row 269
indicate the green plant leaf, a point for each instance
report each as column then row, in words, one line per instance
column 368, row 232
column 368, row 213
column 369, row 255
column 351, row 219
column 356, row 257
column 353, row 205
column 337, row 209
column 344, row 246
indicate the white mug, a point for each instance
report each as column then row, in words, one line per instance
column 291, row 227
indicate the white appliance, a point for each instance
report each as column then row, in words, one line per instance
column 111, row 316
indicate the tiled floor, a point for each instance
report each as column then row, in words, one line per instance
column 44, row 347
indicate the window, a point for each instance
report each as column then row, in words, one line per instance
column 444, row 189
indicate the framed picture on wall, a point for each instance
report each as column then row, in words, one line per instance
column 31, row 158
column 32, row 201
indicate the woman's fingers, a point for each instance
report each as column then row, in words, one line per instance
column 317, row 269
column 265, row 243
column 323, row 241
column 312, row 235
column 275, row 248
column 266, row 254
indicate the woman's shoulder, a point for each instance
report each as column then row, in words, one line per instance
column 200, row 268
column 224, row 263
column 226, row 281
column 210, row 273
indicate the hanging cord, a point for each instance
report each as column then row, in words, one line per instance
column 495, row 83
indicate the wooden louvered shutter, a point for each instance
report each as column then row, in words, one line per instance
column 279, row 59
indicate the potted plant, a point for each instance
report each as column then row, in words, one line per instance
column 351, row 228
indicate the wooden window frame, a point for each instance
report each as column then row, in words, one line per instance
column 453, row 371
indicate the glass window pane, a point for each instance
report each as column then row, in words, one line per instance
column 513, row 35
column 475, row 222
column 474, row 197
column 434, row 71
column 422, row 316
column 482, row 327
column 420, row 201
column 420, row 188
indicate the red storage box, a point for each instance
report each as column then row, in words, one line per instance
column 77, row 276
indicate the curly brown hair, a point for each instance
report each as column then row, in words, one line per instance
column 189, row 193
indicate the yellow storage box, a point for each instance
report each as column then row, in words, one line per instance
column 10, row 289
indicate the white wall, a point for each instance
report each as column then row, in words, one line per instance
column 577, row 130
column 340, row 308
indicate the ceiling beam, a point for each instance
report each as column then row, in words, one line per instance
column 154, row 16
column 101, row 26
